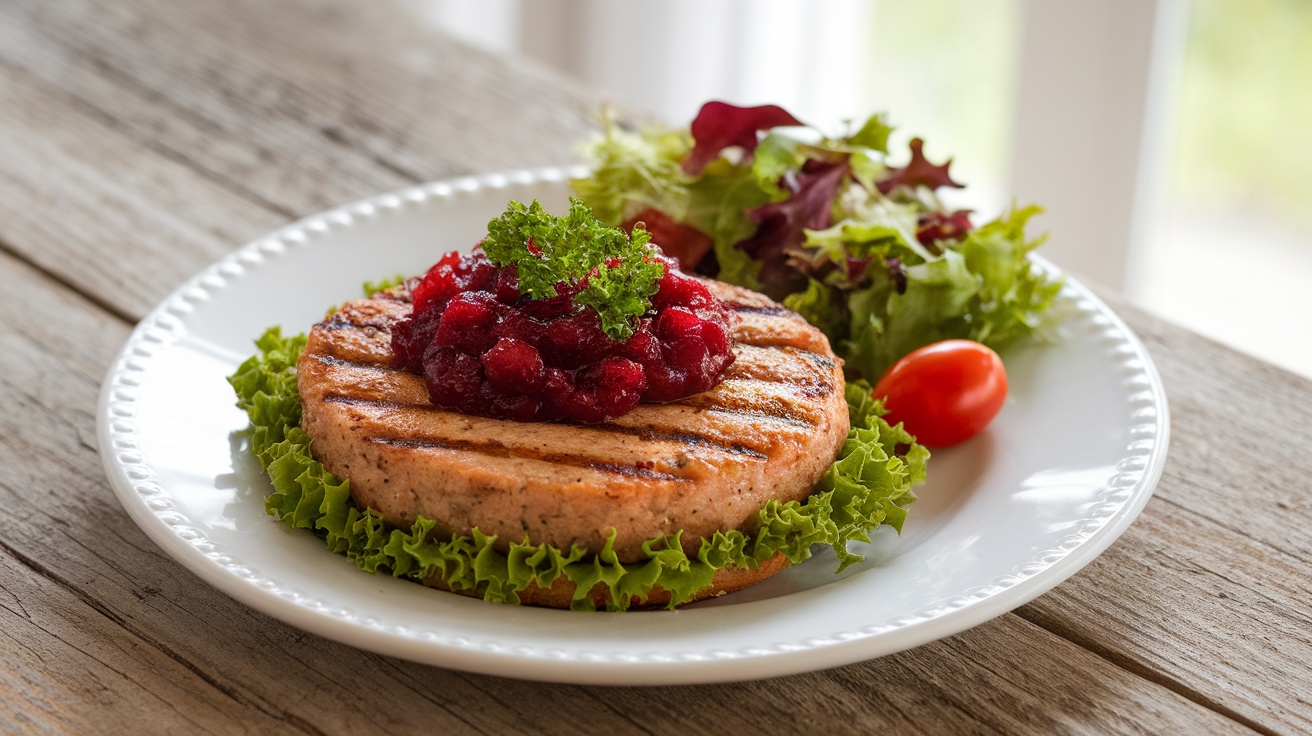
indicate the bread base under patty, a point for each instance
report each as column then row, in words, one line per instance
column 561, row 592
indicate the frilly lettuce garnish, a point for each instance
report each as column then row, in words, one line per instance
column 868, row 486
column 863, row 249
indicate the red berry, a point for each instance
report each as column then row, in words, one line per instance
column 507, row 287
column 513, row 367
column 643, row 345
column 618, row 384
column 664, row 383
column 439, row 285
column 550, row 308
column 583, row 407
column 467, row 323
column 477, row 275
column 453, row 379
column 688, row 354
column 577, row 341
column 677, row 322
column 681, row 290
column 516, row 408
column 716, row 336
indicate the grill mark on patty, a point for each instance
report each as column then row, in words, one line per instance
column 497, row 449
column 816, row 379
column 649, row 433
column 773, row 407
column 808, row 389
column 824, row 361
column 684, row 438
column 763, row 310
column 378, row 327
column 802, row 423
column 382, row 366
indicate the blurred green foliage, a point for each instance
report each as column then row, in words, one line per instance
column 1244, row 131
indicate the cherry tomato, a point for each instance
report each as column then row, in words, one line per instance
column 946, row 392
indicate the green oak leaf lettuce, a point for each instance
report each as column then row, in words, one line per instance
column 868, row 486
column 984, row 288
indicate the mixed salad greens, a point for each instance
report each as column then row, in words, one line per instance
column 863, row 249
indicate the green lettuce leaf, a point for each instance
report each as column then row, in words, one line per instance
column 869, row 485
column 635, row 170
column 719, row 201
column 373, row 287
column 984, row 288
column 877, row 228
column 1014, row 294
column 887, row 324
column 823, row 306
column 873, row 134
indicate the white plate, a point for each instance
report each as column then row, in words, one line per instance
column 1064, row 469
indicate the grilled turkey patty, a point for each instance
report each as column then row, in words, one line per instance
column 703, row 464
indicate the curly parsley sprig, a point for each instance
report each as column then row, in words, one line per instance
column 616, row 274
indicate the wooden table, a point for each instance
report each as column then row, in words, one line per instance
column 141, row 139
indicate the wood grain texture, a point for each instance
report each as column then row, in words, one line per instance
column 143, row 138
column 298, row 106
column 1200, row 610
column 107, row 214
column 1247, row 437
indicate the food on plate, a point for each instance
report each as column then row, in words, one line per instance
column 706, row 490
column 864, row 249
column 946, row 392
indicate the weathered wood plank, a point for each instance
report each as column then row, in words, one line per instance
column 301, row 105
column 1202, row 610
column 106, row 213
column 67, row 667
column 1240, row 454
column 69, row 664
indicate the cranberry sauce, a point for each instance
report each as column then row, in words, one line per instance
column 485, row 349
